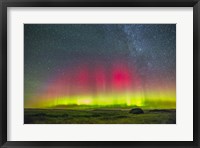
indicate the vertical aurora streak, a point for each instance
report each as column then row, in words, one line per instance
column 100, row 65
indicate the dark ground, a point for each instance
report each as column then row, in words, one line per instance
column 98, row 116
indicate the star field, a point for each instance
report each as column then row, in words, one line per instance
column 65, row 62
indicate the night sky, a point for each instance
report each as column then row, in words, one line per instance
column 100, row 64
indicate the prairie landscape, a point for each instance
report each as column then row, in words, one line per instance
column 109, row 115
column 99, row 73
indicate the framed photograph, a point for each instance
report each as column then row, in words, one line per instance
column 99, row 73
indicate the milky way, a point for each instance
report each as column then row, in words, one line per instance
column 100, row 64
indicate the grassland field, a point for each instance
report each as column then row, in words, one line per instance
column 106, row 115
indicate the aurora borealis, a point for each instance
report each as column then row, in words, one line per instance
column 100, row 65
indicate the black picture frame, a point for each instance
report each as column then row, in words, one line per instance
column 4, row 4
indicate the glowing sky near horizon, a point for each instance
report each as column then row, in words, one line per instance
column 100, row 65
